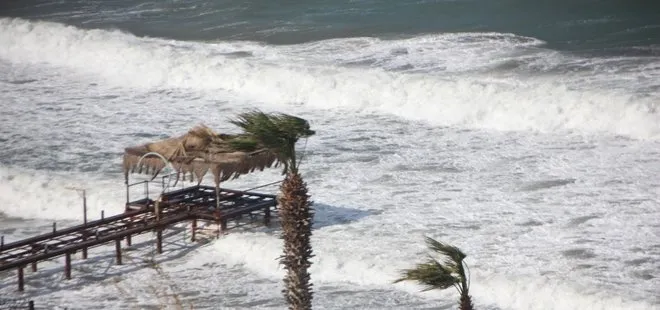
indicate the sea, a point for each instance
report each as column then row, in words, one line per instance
column 526, row 133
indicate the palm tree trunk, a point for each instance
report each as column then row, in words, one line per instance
column 466, row 302
column 296, row 216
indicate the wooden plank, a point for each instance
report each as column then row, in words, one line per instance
column 73, row 229
column 194, row 203
column 94, row 242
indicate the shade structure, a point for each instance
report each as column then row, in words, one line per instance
column 197, row 152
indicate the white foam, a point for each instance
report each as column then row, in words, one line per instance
column 281, row 76
column 334, row 263
column 44, row 195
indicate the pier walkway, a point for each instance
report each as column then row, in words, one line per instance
column 226, row 208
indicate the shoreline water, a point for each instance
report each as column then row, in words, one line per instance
column 540, row 162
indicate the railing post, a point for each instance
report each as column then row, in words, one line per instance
column 54, row 227
column 127, row 193
column 84, row 207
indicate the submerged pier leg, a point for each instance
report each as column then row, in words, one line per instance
column 118, row 251
column 194, row 229
column 267, row 216
column 159, row 241
column 21, row 283
column 84, row 250
column 34, row 253
column 67, row 266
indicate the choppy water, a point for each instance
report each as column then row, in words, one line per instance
column 525, row 133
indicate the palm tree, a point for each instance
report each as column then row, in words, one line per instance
column 279, row 133
column 448, row 272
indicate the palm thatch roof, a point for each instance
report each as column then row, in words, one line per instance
column 199, row 151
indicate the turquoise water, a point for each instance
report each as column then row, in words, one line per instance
column 607, row 26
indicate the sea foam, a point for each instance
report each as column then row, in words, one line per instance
column 253, row 72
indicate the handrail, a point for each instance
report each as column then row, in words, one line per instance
column 146, row 182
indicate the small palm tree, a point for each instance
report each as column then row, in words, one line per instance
column 279, row 134
column 448, row 272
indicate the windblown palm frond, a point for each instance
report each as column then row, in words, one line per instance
column 278, row 132
column 454, row 254
column 442, row 274
column 432, row 274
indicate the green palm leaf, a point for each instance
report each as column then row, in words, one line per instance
column 278, row 132
column 432, row 274
column 450, row 251
column 442, row 274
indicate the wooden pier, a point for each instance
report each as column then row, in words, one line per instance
column 190, row 156
column 224, row 207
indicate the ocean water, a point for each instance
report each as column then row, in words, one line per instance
column 524, row 132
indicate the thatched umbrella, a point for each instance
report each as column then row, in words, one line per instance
column 197, row 152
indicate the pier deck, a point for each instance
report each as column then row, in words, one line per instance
column 141, row 216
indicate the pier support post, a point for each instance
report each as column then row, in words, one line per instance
column 34, row 264
column 159, row 241
column 129, row 242
column 84, row 250
column 223, row 225
column 194, row 229
column 118, row 250
column 267, row 216
column 31, row 305
column 67, row 266
column 21, row 283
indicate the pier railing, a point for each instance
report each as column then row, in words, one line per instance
column 151, row 189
